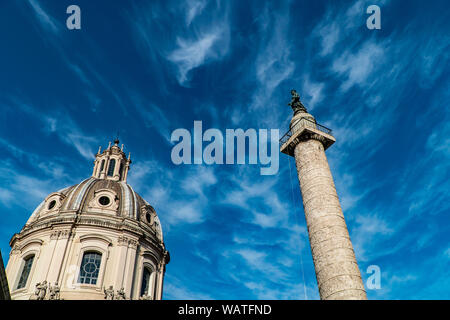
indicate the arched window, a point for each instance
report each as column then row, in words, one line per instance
column 121, row 171
column 112, row 165
column 90, row 267
column 102, row 165
column 145, row 282
column 28, row 263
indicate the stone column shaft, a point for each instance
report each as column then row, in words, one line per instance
column 337, row 271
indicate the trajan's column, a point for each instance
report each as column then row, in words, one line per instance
column 337, row 271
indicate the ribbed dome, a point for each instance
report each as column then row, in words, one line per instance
column 94, row 235
column 99, row 196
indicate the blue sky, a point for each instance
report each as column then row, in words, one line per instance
column 147, row 68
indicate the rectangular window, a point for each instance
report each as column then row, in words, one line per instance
column 25, row 272
column 145, row 282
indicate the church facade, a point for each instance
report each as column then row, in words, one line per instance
column 95, row 240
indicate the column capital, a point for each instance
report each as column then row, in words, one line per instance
column 304, row 127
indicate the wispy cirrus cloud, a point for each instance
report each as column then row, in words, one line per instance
column 177, row 289
column 193, row 9
column 357, row 68
column 152, row 115
column 190, row 40
column 61, row 125
column 273, row 63
column 40, row 171
column 180, row 198
column 206, row 40
column 47, row 21
column 192, row 53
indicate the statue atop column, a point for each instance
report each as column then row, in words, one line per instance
column 296, row 104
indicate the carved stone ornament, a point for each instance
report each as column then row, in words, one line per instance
column 15, row 249
column 120, row 294
column 40, row 291
column 109, row 293
column 60, row 234
column 54, row 292
column 145, row 296
column 148, row 214
column 104, row 201
column 52, row 203
column 125, row 241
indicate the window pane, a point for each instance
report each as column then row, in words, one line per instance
column 25, row 272
column 145, row 282
column 121, row 171
column 112, row 164
column 90, row 266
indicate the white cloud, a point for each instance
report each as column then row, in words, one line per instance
column 272, row 66
column 357, row 68
column 402, row 278
column 365, row 232
column 6, row 196
column 180, row 196
column 265, row 220
column 337, row 25
column 179, row 291
column 258, row 261
column 329, row 35
column 193, row 9
column 79, row 72
column 313, row 92
column 45, row 19
column 447, row 253
column 63, row 126
column 185, row 212
column 153, row 116
column 273, row 63
column 262, row 204
column 24, row 190
column 204, row 178
column 192, row 53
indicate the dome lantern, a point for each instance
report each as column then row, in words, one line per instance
column 112, row 163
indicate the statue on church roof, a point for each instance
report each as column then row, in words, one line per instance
column 109, row 293
column 120, row 294
column 40, row 291
column 54, row 292
column 296, row 104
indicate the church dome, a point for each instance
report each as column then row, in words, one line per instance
column 97, row 239
column 99, row 197
column 105, row 193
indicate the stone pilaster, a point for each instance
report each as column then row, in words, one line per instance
column 130, row 266
column 58, row 241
